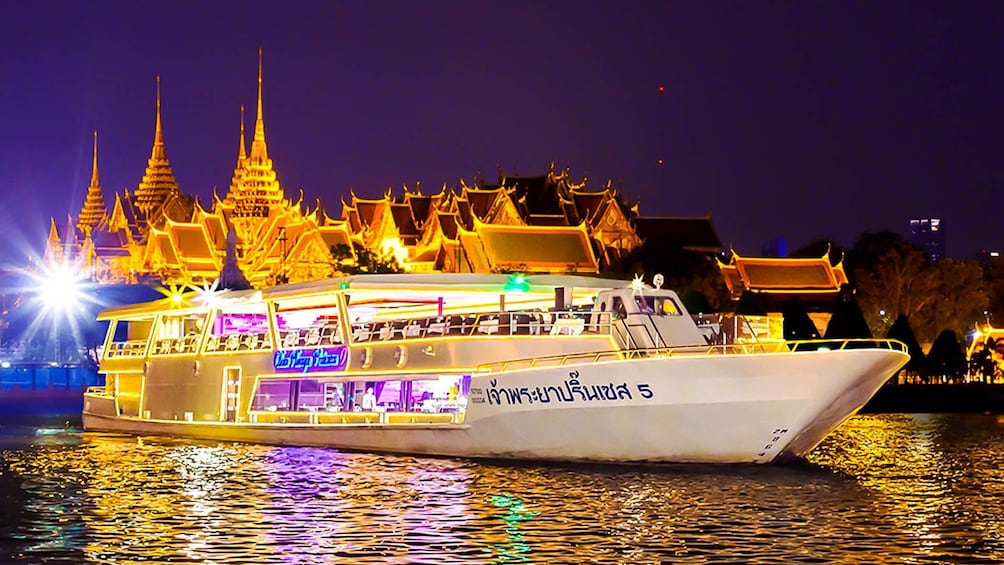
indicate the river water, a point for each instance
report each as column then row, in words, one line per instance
column 882, row 489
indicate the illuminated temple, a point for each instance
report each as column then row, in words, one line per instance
column 543, row 224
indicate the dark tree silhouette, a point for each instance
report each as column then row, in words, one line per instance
column 751, row 304
column 901, row 331
column 363, row 260
column 819, row 247
column 797, row 324
column 946, row 358
column 847, row 321
column 696, row 302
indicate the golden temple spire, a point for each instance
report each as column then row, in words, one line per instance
column 241, row 155
column 254, row 189
column 94, row 164
column 158, row 133
column 239, row 170
column 259, row 151
column 158, row 184
column 94, row 209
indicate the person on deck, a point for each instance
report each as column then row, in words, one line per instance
column 369, row 401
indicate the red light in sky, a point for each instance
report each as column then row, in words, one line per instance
column 660, row 161
column 662, row 88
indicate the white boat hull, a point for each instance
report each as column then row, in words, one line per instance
column 757, row 408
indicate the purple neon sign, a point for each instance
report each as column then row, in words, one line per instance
column 311, row 360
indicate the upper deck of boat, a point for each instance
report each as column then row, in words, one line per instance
column 487, row 287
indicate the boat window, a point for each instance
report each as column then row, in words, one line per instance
column 299, row 395
column 646, row 304
column 666, row 306
column 237, row 328
column 129, row 338
column 444, row 394
column 177, row 333
column 658, row 305
column 272, row 396
column 308, row 327
column 619, row 309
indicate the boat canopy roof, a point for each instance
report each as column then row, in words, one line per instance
column 390, row 283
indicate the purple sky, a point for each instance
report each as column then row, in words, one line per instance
column 796, row 120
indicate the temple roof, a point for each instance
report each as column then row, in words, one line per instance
column 255, row 189
column 788, row 276
column 94, row 209
column 530, row 249
column 158, row 182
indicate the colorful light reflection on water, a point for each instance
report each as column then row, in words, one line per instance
column 883, row 489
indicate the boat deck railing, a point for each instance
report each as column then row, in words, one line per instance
column 97, row 391
column 693, row 351
column 384, row 418
column 560, row 324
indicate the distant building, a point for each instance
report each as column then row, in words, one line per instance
column 777, row 247
column 929, row 235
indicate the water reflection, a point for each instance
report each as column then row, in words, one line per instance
column 883, row 489
column 936, row 474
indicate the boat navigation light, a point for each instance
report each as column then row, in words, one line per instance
column 658, row 280
column 637, row 285
column 517, row 283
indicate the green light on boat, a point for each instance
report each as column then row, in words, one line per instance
column 517, row 283
column 343, row 285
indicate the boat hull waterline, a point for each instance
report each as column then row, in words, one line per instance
column 754, row 408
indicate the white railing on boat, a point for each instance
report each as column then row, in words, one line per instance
column 567, row 323
column 695, row 350
column 97, row 391
column 131, row 348
column 317, row 417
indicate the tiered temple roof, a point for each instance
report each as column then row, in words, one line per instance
column 158, row 186
column 94, row 209
column 254, row 189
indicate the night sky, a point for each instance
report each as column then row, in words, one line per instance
column 796, row 120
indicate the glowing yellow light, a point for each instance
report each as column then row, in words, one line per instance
column 392, row 246
column 174, row 293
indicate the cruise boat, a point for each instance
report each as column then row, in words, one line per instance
column 543, row 367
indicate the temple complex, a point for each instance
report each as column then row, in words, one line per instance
column 542, row 224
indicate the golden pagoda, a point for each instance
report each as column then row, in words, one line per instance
column 94, row 209
column 158, row 187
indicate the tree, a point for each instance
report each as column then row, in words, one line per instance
column 961, row 297
column 870, row 247
column 819, row 247
column 900, row 283
column 796, row 324
column 359, row 260
column 993, row 277
column 900, row 330
column 847, row 321
column 946, row 358
column 751, row 304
